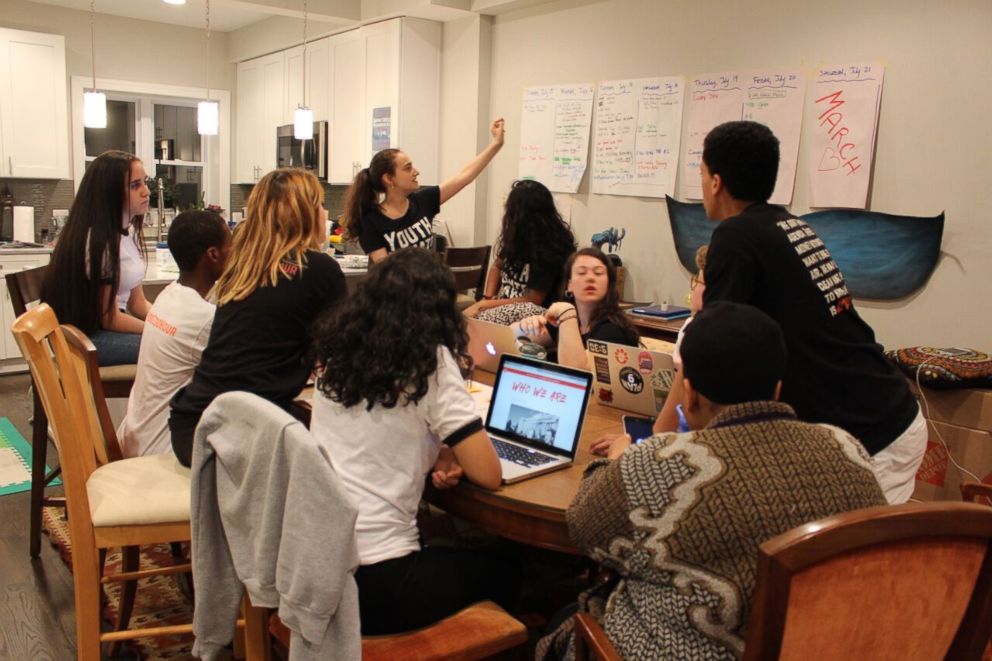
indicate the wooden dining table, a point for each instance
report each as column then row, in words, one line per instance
column 531, row 511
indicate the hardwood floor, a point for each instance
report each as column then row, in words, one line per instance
column 37, row 616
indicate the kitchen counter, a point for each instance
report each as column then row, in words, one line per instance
column 6, row 250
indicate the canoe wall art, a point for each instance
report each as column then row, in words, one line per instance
column 882, row 256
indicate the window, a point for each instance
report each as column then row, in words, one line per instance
column 157, row 123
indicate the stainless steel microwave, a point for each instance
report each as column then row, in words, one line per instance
column 307, row 154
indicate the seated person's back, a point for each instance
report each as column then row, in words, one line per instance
column 680, row 516
column 176, row 331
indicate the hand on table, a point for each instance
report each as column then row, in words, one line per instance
column 610, row 445
column 447, row 471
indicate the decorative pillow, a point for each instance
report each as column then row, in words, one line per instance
column 945, row 368
column 510, row 313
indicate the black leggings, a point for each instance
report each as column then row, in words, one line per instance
column 426, row 586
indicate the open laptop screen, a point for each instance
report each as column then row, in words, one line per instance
column 539, row 403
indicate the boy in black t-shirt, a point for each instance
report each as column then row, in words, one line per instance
column 762, row 255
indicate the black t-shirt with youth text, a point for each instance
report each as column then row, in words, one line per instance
column 415, row 228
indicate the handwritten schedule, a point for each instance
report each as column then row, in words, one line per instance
column 844, row 118
column 713, row 100
column 637, row 134
column 775, row 99
column 554, row 135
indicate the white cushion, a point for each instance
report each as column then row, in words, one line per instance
column 141, row 490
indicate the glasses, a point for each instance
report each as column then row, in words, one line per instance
column 696, row 281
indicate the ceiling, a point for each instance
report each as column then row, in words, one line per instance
column 225, row 15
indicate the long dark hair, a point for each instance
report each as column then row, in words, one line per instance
column 363, row 194
column 533, row 232
column 380, row 345
column 87, row 255
column 609, row 308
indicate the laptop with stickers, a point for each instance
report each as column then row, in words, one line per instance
column 630, row 378
column 535, row 415
column 487, row 341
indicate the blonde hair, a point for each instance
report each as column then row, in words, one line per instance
column 701, row 253
column 283, row 221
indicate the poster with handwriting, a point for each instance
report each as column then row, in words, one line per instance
column 637, row 133
column 846, row 102
column 775, row 99
column 554, row 134
column 713, row 99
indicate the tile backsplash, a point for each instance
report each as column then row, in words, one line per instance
column 333, row 198
column 42, row 194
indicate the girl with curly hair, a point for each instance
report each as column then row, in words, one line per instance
column 94, row 279
column 533, row 246
column 391, row 408
column 591, row 310
column 276, row 282
column 386, row 209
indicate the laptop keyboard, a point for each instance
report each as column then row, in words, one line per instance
column 520, row 455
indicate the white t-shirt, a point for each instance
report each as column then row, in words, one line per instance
column 176, row 332
column 384, row 455
column 132, row 269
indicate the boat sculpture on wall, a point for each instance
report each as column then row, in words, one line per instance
column 882, row 256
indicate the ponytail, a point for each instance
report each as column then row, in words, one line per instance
column 363, row 194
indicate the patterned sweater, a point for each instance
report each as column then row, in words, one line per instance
column 679, row 519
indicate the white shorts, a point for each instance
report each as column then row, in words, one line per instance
column 896, row 465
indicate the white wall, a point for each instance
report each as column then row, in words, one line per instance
column 464, row 122
column 934, row 141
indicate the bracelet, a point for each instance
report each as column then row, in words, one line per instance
column 564, row 317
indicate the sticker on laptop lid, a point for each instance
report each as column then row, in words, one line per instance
column 631, row 380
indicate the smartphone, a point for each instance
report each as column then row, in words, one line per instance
column 637, row 427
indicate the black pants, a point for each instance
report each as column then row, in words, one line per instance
column 426, row 586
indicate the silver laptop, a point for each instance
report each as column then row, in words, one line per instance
column 486, row 341
column 630, row 378
column 535, row 415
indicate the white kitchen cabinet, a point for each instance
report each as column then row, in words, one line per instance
column 348, row 107
column 318, row 76
column 34, row 125
column 261, row 108
column 391, row 66
column 10, row 261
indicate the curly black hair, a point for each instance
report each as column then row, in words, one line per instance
column 380, row 345
column 533, row 231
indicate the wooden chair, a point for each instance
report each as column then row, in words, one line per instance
column 976, row 492
column 124, row 503
column 470, row 267
column 25, row 290
column 909, row 581
column 476, row 632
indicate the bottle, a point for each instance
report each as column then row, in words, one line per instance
column 6, row 215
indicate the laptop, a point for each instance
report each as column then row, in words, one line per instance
column 486, row 341
column 630, row 378
column 535, row 415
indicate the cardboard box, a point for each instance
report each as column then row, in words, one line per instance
column 967, row 407
column 938, row 477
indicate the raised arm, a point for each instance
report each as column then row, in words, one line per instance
column 472, row 170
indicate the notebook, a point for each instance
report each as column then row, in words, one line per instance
column 486, row 341
column 630, row 378
column 535, row 415
column 663, row 311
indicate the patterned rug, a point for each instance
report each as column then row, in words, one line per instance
column 158, row 602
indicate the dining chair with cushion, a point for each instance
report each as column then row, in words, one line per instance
column 122, row 503
column 470, row 267
column 910, row 581
column 25, row 292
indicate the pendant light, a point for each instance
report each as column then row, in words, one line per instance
column 94, row 102
column 207, row 111
column 303, row 116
